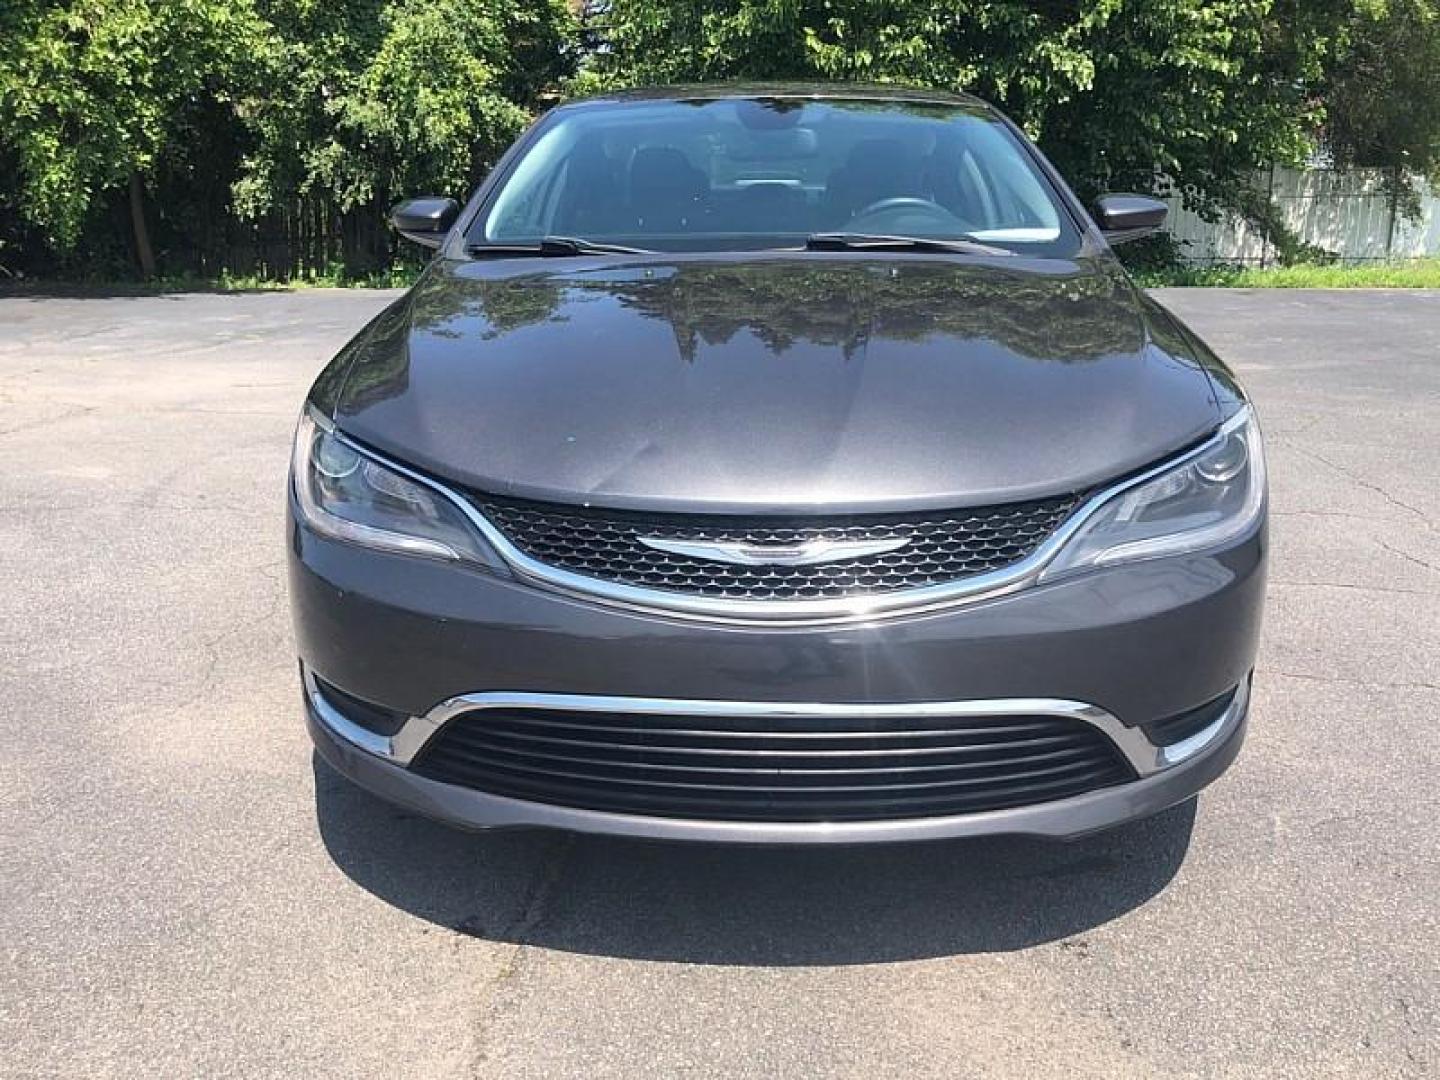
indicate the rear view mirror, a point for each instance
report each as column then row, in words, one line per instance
column 425, row 220
column 1129, row 217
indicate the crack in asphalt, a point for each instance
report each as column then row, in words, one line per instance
column 1338, row 514
column 168, row 506
column 1408, row 557
column 1350, row 586
column 48, row 421
column 211, row 644
column 1359, row 482
column 1366, row 683
column 520, row 930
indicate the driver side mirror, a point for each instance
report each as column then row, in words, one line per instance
column 1129, row 217
column 425, row 220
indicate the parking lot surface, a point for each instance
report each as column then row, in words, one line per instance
column 184, row 890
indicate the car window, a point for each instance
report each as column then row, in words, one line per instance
column 748, row 173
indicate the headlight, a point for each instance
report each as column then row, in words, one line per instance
column 347, row 495
column 1212, row 496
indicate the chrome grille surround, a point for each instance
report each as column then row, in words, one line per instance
column 931, row 548
column 788, row 612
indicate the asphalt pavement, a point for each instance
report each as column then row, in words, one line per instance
column 185, row 890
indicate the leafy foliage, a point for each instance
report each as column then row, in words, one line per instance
column 302, row 117
column 1411, row 274
column 1383, row 97
column 268, row 136
column 419, row 95
column 94, row 91
column 1117, row 91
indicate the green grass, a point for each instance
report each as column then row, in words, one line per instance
column 396, row 277
column 1414, row 274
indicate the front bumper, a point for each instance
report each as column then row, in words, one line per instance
column 1128, row 645
column 1062, row 819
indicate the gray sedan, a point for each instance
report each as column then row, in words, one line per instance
column 786, row 465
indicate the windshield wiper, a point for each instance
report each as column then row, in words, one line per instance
column 557, row 246
column 848, row 241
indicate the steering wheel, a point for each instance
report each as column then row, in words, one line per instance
column 902, row 202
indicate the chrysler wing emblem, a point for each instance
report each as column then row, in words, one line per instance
column 810, row 553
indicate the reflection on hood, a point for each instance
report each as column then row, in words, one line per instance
column 838, row 304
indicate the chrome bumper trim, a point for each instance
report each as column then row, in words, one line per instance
column 1144, row 757
column 1185, row 749
column 400, row 748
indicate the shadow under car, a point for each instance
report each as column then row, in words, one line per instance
column 727, row 905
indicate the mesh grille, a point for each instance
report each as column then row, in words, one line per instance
column 944, row 547
column 744, row 769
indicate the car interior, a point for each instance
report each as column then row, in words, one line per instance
column 675, row 179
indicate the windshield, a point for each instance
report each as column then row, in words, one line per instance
column 727, row 174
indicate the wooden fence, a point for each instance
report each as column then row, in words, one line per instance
column 1347, row 213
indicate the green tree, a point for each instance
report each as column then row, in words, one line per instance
column 1383, row 95
column 97, row 95
column 254, row 134
column 401, row 98
column 1118, row 92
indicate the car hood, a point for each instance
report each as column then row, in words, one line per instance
column 776, row 382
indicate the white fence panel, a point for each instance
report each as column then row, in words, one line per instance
column 1414, row 239
column 1346, row 213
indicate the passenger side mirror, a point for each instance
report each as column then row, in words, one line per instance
column 1129, row 217
column 425, row 220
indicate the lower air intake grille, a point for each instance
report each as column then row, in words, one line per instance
column 748, row 769
column 1181, row 726
column 942, row 547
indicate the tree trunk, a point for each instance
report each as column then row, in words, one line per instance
column 143, row 251
column 1396, row 176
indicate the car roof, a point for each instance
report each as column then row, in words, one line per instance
column 816, row 91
